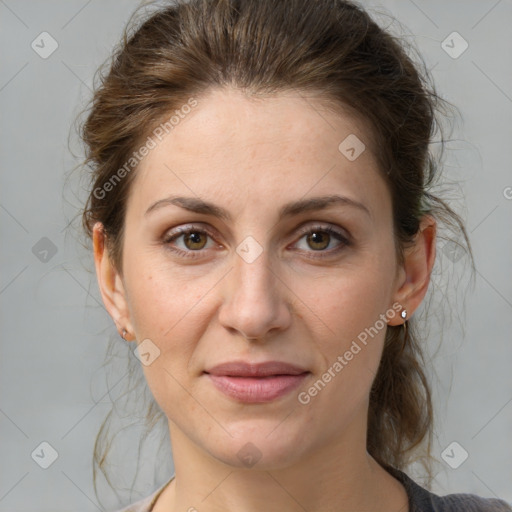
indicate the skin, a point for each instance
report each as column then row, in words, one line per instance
column 251, row 157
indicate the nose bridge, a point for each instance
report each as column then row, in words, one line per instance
column 253, row 277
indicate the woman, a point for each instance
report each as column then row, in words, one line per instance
column 263, row 231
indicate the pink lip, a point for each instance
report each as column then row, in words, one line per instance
column 256, row 383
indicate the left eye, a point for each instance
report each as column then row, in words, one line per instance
column 321, row 238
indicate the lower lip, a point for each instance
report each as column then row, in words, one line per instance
column 257, row 389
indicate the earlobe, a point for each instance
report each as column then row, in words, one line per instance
column 110, row 283
column 415, row 274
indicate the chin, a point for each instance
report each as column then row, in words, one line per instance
column 261, row 448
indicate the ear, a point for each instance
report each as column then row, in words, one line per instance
column 414, row 275
column 111, row 284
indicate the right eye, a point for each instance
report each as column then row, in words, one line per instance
column 187, row 241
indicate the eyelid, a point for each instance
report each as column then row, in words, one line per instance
column 186, row 228
column 342, row 233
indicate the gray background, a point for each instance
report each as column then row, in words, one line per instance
column 54, row 330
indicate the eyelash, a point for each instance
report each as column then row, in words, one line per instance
column 344, row 242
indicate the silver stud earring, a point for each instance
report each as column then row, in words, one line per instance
column 125, row 332
column 403, row 314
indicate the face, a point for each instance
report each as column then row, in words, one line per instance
column 249, row 269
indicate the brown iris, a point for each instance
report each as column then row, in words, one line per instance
column 318, row 240
column 193, row 240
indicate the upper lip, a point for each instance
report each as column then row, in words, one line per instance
column 245, row 369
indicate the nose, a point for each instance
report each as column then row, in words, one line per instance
column 255, row 299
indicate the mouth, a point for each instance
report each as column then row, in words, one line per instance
column 256, row 383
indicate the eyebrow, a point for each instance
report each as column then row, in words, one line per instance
column 197, row 205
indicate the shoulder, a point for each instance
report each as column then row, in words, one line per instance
column 421, row 500
column 146, row 504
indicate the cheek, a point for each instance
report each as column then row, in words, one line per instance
column 163, row 312
column 349, row 301
column 172, row 308
column 351, row 355
column 352, row 307
column 161, row 297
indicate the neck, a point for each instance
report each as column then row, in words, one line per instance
column 340, row 476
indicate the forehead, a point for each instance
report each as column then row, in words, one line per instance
column 260, row 150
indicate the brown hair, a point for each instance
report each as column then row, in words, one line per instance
column 331, row 48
